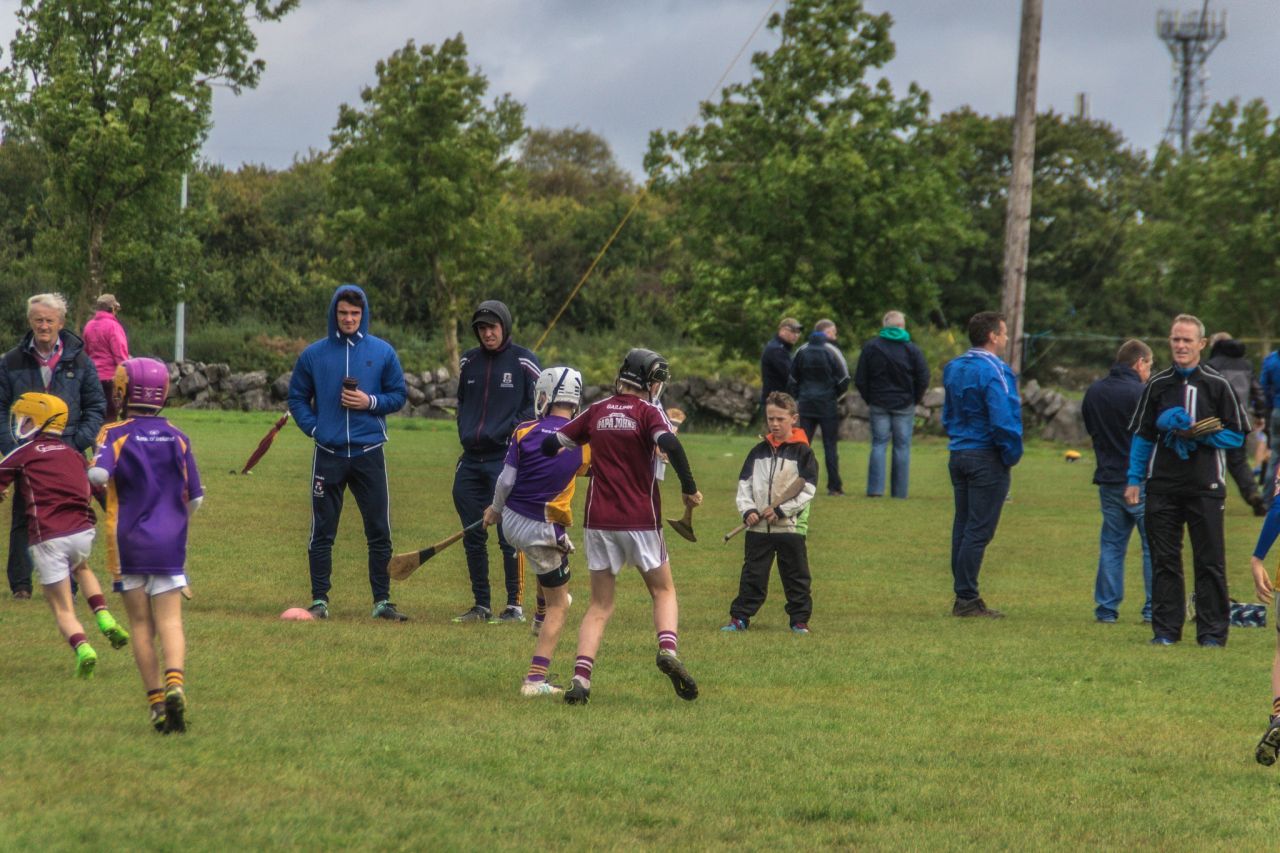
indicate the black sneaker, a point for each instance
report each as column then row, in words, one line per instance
column 974, row 607
column 1269, row 745
column 510, row 615
column 319, row 609
column 386, row 610
column 681, row 680
column 577, row 694
column 175, row 710
column 475, row 614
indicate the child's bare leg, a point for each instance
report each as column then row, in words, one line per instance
column 64, row 610
column 167, row 608
column 599, row 611
column 666, row 609
column 138, row 605
column 88, row 580
column 557, row 599
column 107, row 624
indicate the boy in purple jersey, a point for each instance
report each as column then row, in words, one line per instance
column 623, row 524
column 50, row 477
column 152, row 488
column 531, row 500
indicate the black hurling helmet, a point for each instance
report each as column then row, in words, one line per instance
column 641, row 368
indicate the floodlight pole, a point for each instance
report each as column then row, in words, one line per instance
column 180, row 315
column 1017, row 220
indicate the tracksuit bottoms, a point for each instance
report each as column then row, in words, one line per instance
column 366, row 475
column 793, row 567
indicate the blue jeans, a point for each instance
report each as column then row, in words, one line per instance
column 899, row 422
column 980, row 480
column 1118, row 521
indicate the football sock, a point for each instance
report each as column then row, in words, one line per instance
column 540, row 609
column 1275, row 707
column 155, row 697
column 667, row 641
column 537, row 669
column 582, row 669
column 76, row 640
column 97, row 602
column 172, row 678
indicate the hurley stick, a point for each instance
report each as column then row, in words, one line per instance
column 403, row 565
column 794, row 489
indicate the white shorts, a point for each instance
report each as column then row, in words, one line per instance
column 154, row 584
column 536, row 539
column 53, row 559
column 611, row 550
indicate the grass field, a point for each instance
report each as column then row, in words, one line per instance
column 892, row 726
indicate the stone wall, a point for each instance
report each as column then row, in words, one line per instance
column 709, row 404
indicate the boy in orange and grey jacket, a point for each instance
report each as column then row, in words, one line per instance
column 779, row 478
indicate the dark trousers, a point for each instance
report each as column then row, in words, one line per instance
column 793, row 568
column 108, row 388
column 980, row 480
column 19, row 556
column 830, row 427
column 366, row 475
column 473, row 484
column 1202, row 517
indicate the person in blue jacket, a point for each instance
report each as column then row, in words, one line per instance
column 496, row 383
column 982, row 414
column 1269, row 379
column 342, row 389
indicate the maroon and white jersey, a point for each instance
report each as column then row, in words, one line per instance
column 51, row 475
column 623, row 432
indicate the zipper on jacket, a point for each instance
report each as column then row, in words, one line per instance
column 346, row 371
column 484, row 400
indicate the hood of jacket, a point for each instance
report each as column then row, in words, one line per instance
column 334, row 334
column 1228, row 348
column 493, row 306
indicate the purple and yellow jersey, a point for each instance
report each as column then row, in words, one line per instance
column 152, row 476
column 544, row 484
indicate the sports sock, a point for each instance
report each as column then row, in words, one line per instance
column 540, row 609
column 172, row 678
column 582, row 669
column 155, row 697
column 537, row 669
column 76, row 640
column 1275, row 707
column 667, row 641
column 97, row 602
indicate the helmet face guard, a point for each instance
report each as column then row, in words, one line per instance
column 141, row 385
column 34, row 413
column 557, row 386
column 642, row 369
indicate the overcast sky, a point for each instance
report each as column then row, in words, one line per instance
column 625, row 68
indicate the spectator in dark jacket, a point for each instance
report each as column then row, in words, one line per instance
column 892, row 377
column 775, row 361
column 1108, row 406
column 51, row 360
column 819, row 376
column 1229, row 357
column 496, row 383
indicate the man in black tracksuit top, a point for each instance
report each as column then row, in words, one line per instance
column 495, row 392
column 1185, row 474
column 819, row 377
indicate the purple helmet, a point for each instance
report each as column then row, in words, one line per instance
column 141, row 385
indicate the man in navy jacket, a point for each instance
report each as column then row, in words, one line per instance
column 819, row 378
column 343, row 387
column 1108, row 405
column 892, row 376
column 775, row 360
column 495, row 393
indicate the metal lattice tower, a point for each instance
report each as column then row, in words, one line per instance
column 1190, row 37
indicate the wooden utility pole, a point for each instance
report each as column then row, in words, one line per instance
column 1017, row 220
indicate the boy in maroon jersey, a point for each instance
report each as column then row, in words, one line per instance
column 623, row 524
column 50, row 474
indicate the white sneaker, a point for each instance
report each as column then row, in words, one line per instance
column 539, row 688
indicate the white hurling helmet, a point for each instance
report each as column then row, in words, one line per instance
column 557, row 385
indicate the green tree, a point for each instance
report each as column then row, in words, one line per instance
column 810, row 189
column 419, row 176
column 1088, row 191
column 1212, row 225
column 117, row 93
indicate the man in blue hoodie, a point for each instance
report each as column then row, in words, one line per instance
column 982, row 415
column 496, row 382
column 342, row 389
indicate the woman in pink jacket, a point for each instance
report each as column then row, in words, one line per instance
column 105, row 343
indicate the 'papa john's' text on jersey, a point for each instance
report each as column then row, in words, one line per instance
column 623, row 431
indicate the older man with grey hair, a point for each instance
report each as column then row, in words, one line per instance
column 49, row 360
column 892, row 376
